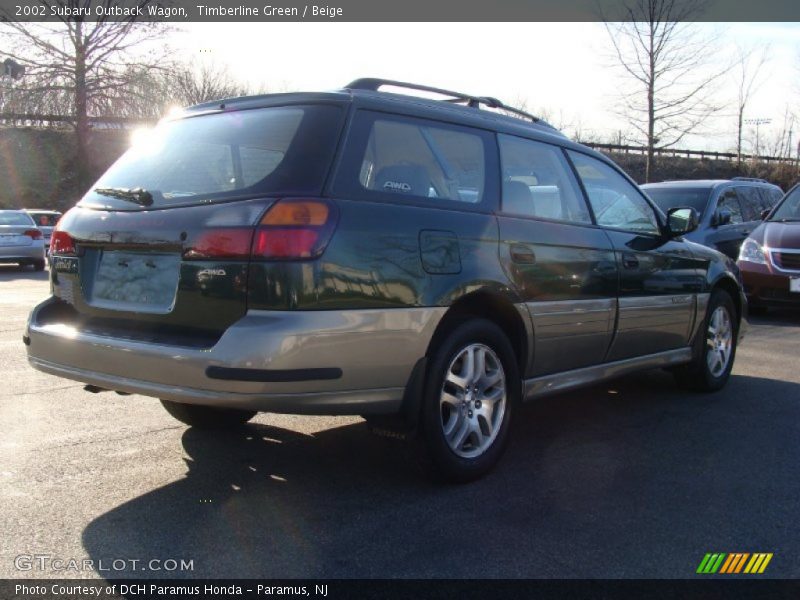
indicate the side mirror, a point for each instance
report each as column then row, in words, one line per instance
column 765, row 213
column 682, row 220
column 722, row 217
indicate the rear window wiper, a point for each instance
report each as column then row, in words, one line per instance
column 138, row 195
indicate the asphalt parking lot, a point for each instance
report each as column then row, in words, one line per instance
column 635, row 478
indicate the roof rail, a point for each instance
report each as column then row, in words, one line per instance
column 374, row 84
column 757, row 179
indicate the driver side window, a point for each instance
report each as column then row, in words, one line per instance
column 615, row 201
column 730, row 202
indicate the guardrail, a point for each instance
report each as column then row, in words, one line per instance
column 701, row 154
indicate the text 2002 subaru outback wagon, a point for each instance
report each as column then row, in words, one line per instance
column 414, row 261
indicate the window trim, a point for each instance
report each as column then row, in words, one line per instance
column 720, row 196
column 346, row 183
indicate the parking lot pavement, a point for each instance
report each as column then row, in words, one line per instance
column 634, row 478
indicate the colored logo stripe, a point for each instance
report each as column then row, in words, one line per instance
column 759, row 562
column 734, row 562
column 711, row 563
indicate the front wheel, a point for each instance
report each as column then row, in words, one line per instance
column 208, row 417
column 715, row 347
column 472, row 384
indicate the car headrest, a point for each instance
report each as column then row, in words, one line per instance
column 517, row 198
column 404, row 179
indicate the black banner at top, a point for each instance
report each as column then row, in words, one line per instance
column 185, row 11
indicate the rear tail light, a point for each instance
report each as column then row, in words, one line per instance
column 295, row 230
column 289, row 230
column 34, row 234
column 61, row 243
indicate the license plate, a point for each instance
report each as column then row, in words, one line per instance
column 10, row 240
column 136, row 281
column 794, row 285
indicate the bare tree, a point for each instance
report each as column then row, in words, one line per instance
column 665, row 60
column 749, row 72
column 195, row 82
column 79, row 63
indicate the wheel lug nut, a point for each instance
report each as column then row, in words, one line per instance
column 469, row 414
column 477, row 403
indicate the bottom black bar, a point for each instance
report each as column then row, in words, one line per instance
column 712, row 588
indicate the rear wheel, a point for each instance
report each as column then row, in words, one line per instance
column 208, row 417
column 38, row 265
column 715, row 347
column 471, row 386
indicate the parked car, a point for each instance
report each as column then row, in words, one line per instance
column 426, row 264
column 729, row 209
column 20, row 240
column 770, row 257
column 46, row 221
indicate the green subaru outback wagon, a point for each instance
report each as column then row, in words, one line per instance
column 425, row 263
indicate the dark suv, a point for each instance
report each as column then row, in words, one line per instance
column 729, row 209
column 426, row 264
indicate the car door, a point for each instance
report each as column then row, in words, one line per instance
column 659, row 278
column 752, row 206
column 728, row 237
column 562, row 266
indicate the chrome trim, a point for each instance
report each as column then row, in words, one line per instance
column 770, row 251
column 701, row 306
column 550, row 384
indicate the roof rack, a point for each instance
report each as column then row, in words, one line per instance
column 374, row 84
column 757, row 179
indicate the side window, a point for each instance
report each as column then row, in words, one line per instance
column 771, row 196
column 537, row 182
column 615, row 201
column 730, row 201
column 412, row 159
column 750, row 201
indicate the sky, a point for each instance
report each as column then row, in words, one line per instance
column 563, row 69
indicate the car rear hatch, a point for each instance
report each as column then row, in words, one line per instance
column 159, row 250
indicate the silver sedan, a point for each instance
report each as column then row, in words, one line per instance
column 21, row 241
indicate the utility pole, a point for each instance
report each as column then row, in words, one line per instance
column 758, row 123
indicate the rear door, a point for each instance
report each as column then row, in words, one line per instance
column 658, row 277
column 562, row 266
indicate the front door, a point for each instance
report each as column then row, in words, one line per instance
column 658, row 277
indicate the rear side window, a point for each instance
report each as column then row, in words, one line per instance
column 730, row 201
column 537, row 182
column 227, row 155
column 616, row 202
column 407, row 159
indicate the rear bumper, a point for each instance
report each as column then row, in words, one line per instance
column 22, row 253
column 304, row 362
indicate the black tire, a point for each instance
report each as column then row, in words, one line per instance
column 208, row 417
column 38, row 265
column 444, row 460
column 698, row 374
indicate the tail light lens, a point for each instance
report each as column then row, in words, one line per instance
column 295, row 230
column 289, row 230
column 34, row 234
column 61, row 243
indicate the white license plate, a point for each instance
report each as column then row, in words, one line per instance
column 794, row 285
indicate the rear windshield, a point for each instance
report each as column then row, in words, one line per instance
column 45, row 219
column 225, row 156
column 670, row 197
column 8, row 217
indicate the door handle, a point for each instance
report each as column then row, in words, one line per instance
column 745, row 233
column 521, row 253
column 629, row 261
